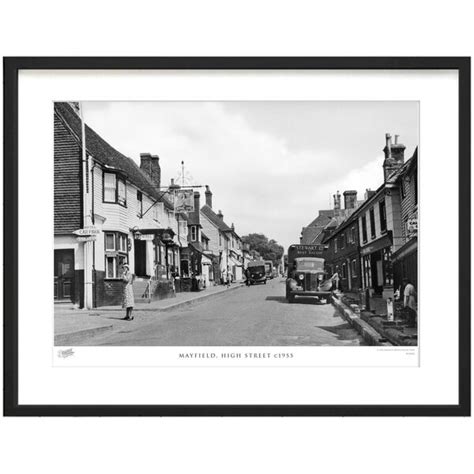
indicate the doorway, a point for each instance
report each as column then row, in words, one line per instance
column 140, row 258
column 64, row 275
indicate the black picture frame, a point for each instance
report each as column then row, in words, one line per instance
column 12, row 65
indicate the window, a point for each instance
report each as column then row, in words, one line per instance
column 383, row 217
column 344, row 270
column 109, row 187
column 220, row 239
column 354, row 268
column 335, row 245
column 342, row 237
column 139, row 204
column 115, row 189
column 364, row 229
column 193, row 233
column 372, row 223
column 353, row 235
column 116, row 253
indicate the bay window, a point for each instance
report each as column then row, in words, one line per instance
column 116, row 253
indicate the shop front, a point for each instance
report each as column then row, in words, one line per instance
column 376, row 264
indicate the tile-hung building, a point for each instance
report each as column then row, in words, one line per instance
column 380, row 225
column 405, row 259
column 342, row 248
column 132, row 221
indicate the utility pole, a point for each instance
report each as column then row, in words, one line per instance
column 86, row 217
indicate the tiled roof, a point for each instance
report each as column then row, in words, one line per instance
column 204, row 236
column 322, row 217
column 215, row 219
column 108, row 156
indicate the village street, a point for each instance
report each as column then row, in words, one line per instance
column 247, row 316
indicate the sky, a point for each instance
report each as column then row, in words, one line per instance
column 271, row 165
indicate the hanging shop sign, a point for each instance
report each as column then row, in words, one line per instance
column 412, row 228
column 87, row 230
column 184, row 200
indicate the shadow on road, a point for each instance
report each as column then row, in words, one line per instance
column 300, row 300
column 280, row 299
column 342, row 331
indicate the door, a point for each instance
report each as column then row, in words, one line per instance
column 377, row 272
column 140, row 257
column 64, row 275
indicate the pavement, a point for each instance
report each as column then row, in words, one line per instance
column 240, row 316
column 72, row 325
column 397, row 332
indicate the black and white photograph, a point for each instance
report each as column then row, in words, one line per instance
column 236, row 223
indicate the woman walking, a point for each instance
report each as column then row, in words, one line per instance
column 128, row 300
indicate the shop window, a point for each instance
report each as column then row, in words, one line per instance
column 387, row 266
column 383, row 217
column 372, row 223
column 115, row 189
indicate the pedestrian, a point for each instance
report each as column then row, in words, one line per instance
column 128, row 299
column 409, row 300
column 228, row 277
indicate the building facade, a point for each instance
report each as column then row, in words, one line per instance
column 405, row 259
column 119, row 212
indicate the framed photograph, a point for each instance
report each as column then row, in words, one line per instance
column 237, row 236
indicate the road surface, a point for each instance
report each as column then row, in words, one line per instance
column 248, row 316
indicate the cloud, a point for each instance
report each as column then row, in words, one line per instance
column 260, row 181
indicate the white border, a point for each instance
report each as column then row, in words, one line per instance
column 435, row 382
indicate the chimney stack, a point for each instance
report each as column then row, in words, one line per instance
column 220, row 215
column 350, row 199
column 337, row 201
column 150, row 165
column 368, row 194
column 208, row 196
column 394, row 156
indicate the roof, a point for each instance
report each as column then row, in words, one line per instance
column 107, row 155
column 204, row 236
column 215, row 219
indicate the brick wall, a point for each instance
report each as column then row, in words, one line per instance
column 67, row 180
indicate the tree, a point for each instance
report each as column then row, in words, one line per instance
column 268, row 249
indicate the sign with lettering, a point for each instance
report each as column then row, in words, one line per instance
column 87, row 230
column 412, row 227
column 144, row 237
column 87, row 238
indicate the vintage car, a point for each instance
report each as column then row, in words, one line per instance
column 269, row 268
column 306, row 275
column 256, row 272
